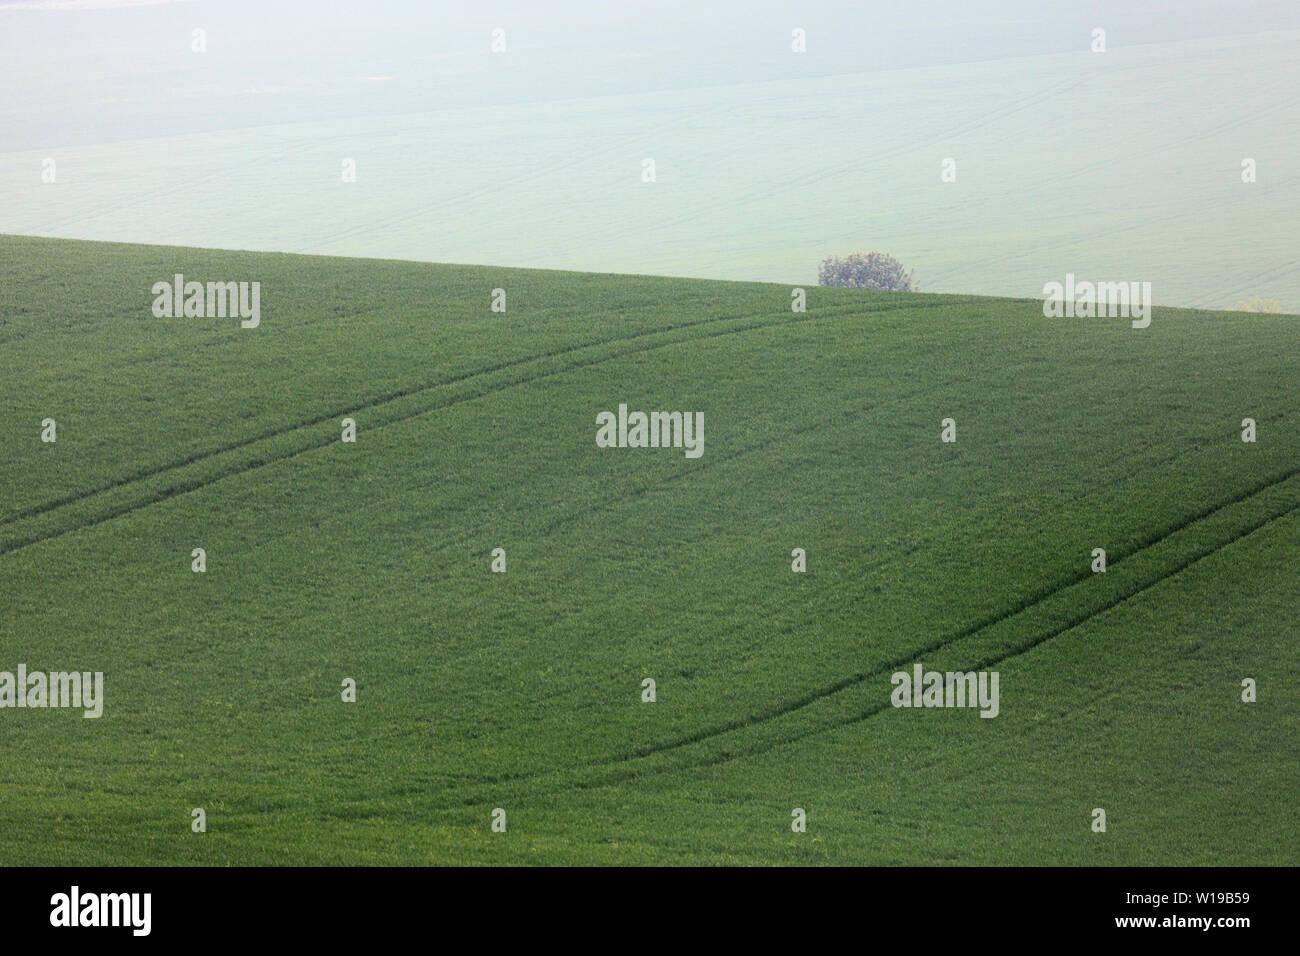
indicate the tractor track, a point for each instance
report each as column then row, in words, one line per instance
column 617, row 768
column 371, row 404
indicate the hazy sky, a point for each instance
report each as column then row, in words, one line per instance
column 85, row 71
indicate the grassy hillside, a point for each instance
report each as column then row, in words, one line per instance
column 522, row 690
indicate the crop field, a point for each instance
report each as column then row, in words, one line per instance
column 477, row 690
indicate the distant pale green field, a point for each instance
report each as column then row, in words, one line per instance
column 522, row 690
column 1117, row 166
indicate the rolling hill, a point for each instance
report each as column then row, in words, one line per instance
column 372, row 561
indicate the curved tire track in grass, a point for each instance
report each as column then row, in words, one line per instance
column 261, row 461
column 1131, row 592
column 617, row 769
column 35, row 510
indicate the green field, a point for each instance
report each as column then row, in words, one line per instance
column 522, row 690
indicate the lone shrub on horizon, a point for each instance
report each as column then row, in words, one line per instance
column 871, row 270
column 1258, row 304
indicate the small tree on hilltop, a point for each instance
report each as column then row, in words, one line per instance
column 1258, row 304
column 871, row 270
